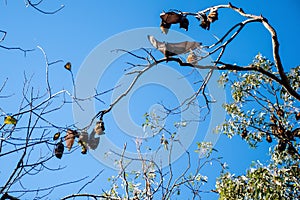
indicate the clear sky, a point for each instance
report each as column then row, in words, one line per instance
column 80, row 26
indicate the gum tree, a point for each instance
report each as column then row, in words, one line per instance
column 263, row 108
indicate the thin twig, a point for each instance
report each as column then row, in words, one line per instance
column 34, row 5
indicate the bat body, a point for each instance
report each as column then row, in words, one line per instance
column 171, row 49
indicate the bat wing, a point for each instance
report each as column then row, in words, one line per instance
column 170, row 17
column 169, row 49
column 161, row 46
column 182, row 47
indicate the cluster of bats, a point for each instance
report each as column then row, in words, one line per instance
column 177, row 17
column 277, row 129
column 169, row 18
column 85, row 140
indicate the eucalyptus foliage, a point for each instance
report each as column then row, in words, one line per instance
column 261, row 109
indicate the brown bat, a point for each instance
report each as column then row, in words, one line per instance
column 171, row 49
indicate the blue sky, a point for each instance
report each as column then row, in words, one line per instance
column 79, row 27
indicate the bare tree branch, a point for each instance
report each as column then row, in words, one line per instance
column 35, row 6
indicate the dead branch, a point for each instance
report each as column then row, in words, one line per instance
column 35, row 6
column 94, row 196
column 91, row 181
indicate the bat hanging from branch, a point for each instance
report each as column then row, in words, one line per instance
column 169, row 18
column 171, row 49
